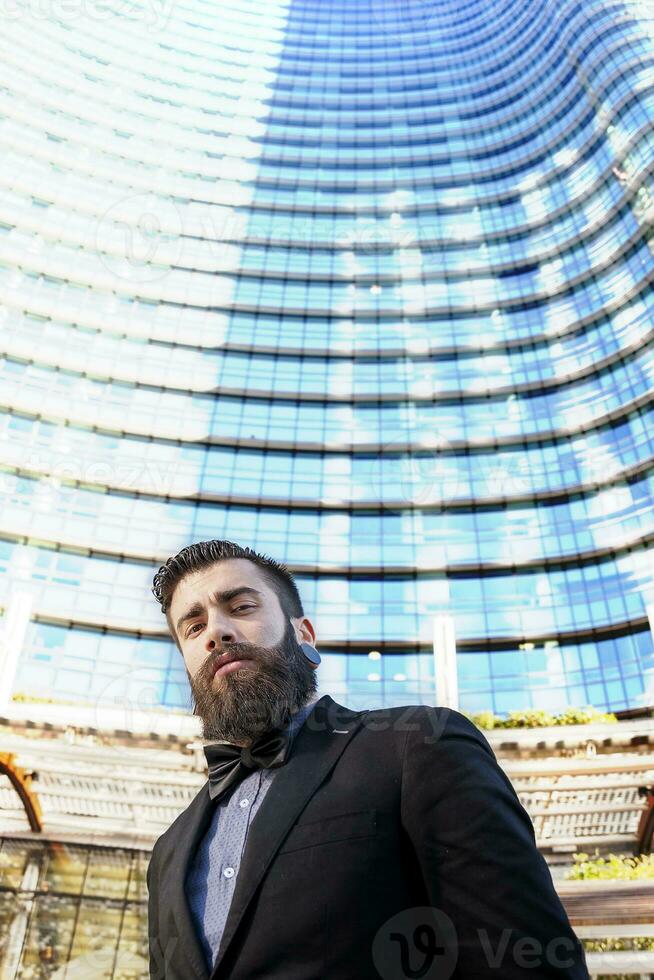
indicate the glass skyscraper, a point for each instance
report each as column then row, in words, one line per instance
column 365, row 285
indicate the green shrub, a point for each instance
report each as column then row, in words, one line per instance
column 642, row 944
column 533, row 718
column 616, row 867
column 485, row 719
column 584, row 716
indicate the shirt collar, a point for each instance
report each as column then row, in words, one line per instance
column 298, row 719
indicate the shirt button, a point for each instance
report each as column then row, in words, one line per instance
column 229, row 872
column 244, row 803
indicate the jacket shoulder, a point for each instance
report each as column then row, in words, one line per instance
column 434, row 721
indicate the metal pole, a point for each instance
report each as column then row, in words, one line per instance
column 445, row 674
column 16, row 621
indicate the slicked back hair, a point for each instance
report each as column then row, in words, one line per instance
column 202, row 555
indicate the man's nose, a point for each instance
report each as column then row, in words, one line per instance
column 217, row 634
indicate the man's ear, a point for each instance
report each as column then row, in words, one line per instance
column 304, row 628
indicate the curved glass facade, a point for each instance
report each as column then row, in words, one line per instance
column 364, row 285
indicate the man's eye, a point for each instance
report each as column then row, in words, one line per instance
column 193, row 627
column 248, row 606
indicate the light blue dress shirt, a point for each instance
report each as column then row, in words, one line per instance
column 211, row 879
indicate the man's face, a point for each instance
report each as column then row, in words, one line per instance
column 230, row 609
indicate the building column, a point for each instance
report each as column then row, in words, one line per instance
column 12, row 639
column 20, row 923
column 445, row 674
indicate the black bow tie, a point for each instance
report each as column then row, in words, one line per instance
column 229, row 763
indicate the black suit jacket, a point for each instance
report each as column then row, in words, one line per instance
column 391, row 844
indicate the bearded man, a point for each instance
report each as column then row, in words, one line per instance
column 328, row 843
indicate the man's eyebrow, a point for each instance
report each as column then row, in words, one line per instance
column 220, row 597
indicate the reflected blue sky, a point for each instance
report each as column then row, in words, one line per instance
column 366, row 286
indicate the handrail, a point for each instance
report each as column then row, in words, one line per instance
column 22, row 783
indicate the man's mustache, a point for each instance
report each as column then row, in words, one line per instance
column 245, row 651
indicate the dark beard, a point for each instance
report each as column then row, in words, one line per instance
column 251, row 701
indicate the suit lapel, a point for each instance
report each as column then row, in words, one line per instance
column 316, row 750
column 187, row 950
